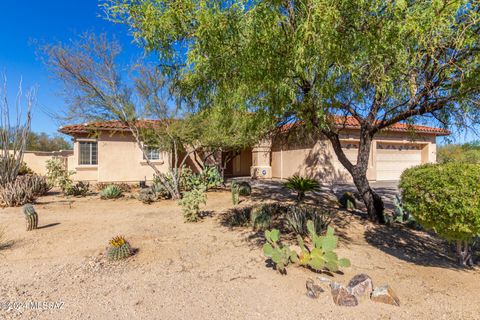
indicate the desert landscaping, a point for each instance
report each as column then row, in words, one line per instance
column 209, row 270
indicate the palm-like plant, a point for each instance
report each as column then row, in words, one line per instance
column 301, row 186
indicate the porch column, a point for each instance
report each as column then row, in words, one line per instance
column 261, row 163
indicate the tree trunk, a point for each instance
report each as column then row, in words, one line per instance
column 373, row 202
column 371, row 199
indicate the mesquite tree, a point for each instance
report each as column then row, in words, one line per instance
column 13, row 134
column 380, row 62
column 94, row 89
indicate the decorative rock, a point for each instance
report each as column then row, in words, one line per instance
column 385, row 294
column 313, row 290
column 342, row 296
column 360, row 285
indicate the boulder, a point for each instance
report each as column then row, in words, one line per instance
column 313, row 290
column 360, row 286
column 385, row 294
column 342, row 296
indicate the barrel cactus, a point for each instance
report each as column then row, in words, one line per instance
column 244, row 188
column 119, row 248
column 31, row 217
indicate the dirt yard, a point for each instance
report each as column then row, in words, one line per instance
column 207, row 270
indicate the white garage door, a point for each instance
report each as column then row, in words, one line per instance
column 392, row 159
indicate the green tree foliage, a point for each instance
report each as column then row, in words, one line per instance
column 464, row 153
column 380, row 62
column 44, row 142
column 446, row 199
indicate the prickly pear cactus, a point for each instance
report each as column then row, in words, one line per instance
column 119, row 248
column 280, row 255
column 31, row 217
column 322, row 256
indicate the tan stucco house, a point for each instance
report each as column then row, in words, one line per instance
column 107, row 152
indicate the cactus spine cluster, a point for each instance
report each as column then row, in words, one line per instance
column 31, row 217
column 119, row 248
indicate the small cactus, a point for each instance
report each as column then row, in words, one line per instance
column 31, row 217
column 235, row 193
column 119, row 248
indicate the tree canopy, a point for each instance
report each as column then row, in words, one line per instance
column 380, row 62
column 44, row 142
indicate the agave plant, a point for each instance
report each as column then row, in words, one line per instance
column 301, row 186
column 111, row 192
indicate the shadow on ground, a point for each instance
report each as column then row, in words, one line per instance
column 412, row 246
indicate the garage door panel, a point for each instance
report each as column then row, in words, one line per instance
column 393, row 159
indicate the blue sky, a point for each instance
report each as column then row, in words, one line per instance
column 28, row 21
column 25, row 23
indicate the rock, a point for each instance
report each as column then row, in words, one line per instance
column 313, row 290
column 385, row 294
column 361, row 285
column 342, row 296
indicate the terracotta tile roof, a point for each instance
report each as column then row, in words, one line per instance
column 348, row 122
column 103, row 126
column 352, row 123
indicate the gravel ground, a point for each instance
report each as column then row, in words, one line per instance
column 206, row 270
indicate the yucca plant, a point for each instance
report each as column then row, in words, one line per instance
column 111, row 192
column 301, row 186
column 119, row 248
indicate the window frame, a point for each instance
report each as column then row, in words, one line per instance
column 146, row 155
column 91, row 143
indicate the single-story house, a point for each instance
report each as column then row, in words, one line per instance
column 107, row 152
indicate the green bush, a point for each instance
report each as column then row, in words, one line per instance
column 111, row 192
column 58, row 175
column 261, row 216
column 191, row 202
column 446, row 199
column 79, row 189
column 298, row 216
column 301, row 186
column 244, row 188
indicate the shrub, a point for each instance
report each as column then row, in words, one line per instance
column 348, row 201
column 261, row 216
column 23, row 190
column 209, row 178
column 119, row 248
column 446, row 199
column 301, row 186
column 124, row 187
column 298, row 216
column 281, row 255
column 191, row 202
column 238, row 217
column 160, row 191
column 111, row 192
column 321, row 256
column 79, row 189
column 244, row 188
column 147, row 196
column 24, row 169
column 57, row 175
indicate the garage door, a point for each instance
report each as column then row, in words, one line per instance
column 392, row 159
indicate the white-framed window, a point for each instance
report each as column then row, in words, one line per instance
column 152, row 153
column 88, row 153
